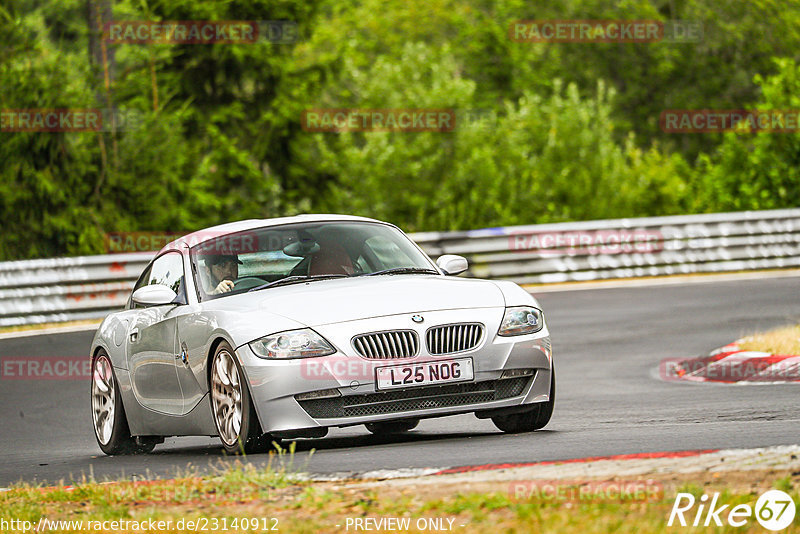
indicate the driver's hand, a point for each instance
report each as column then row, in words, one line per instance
column 223, row 287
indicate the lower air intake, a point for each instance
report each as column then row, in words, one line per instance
column 420, row 398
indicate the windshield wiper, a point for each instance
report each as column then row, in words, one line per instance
column 297, row 278
column 404, row 270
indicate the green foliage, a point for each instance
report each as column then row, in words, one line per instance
column 568, row 131
column 189, row 163
column 540, row 158
column 43, row 173
column 757, row 170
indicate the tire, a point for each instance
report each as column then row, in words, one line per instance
column 534, row 419
column 231, row 406
column 392, row 427
column 146, row 445
column 108, row 413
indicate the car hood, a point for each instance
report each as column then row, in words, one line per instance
column 338, row 300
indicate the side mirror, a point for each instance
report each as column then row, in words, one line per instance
column 452, row 264
column 153, row 295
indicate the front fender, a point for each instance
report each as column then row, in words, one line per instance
column 110, row 336
column 514, row 295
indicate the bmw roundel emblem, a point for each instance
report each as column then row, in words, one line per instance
column 417, row 318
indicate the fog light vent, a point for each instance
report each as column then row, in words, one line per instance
column 320, row 394
column 514, row 373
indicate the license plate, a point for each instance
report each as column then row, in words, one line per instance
column 424, row 373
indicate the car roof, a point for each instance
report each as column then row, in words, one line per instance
column 212, row 232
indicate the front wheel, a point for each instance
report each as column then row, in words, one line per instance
column 234, row 414
column 108, row 413
column 533, row 419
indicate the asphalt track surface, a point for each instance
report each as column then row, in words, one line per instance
column 607, row 343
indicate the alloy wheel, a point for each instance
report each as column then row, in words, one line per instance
column 103, row 395
column 226, row 395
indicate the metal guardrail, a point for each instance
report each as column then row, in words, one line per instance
column 65, row 289
column 61, row 289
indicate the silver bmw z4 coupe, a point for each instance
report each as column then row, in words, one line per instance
column 262, row 330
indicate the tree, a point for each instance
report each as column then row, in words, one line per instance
column 756, row 170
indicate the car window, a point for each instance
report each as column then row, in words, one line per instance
column 143, row 280
column 167, row 271
column 270, row 262
column 388, row 252
column 241, row 261
column 363, row 264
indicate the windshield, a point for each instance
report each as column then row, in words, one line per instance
column 279, row 255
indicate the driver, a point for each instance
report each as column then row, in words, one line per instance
column 221, row 271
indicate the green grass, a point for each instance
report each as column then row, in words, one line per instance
column 784, row 484
column 244, row 491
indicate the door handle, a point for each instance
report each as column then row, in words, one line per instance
column 134, row 335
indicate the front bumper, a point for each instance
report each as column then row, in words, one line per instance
column 274, row 384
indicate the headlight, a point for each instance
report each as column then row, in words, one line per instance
column 303, row 343
column 521, row 320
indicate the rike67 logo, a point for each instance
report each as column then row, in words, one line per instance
column 774, row 510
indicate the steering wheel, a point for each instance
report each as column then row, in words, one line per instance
column 248, row 282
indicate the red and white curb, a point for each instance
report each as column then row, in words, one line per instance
column 641, row 464
column 731, row 365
